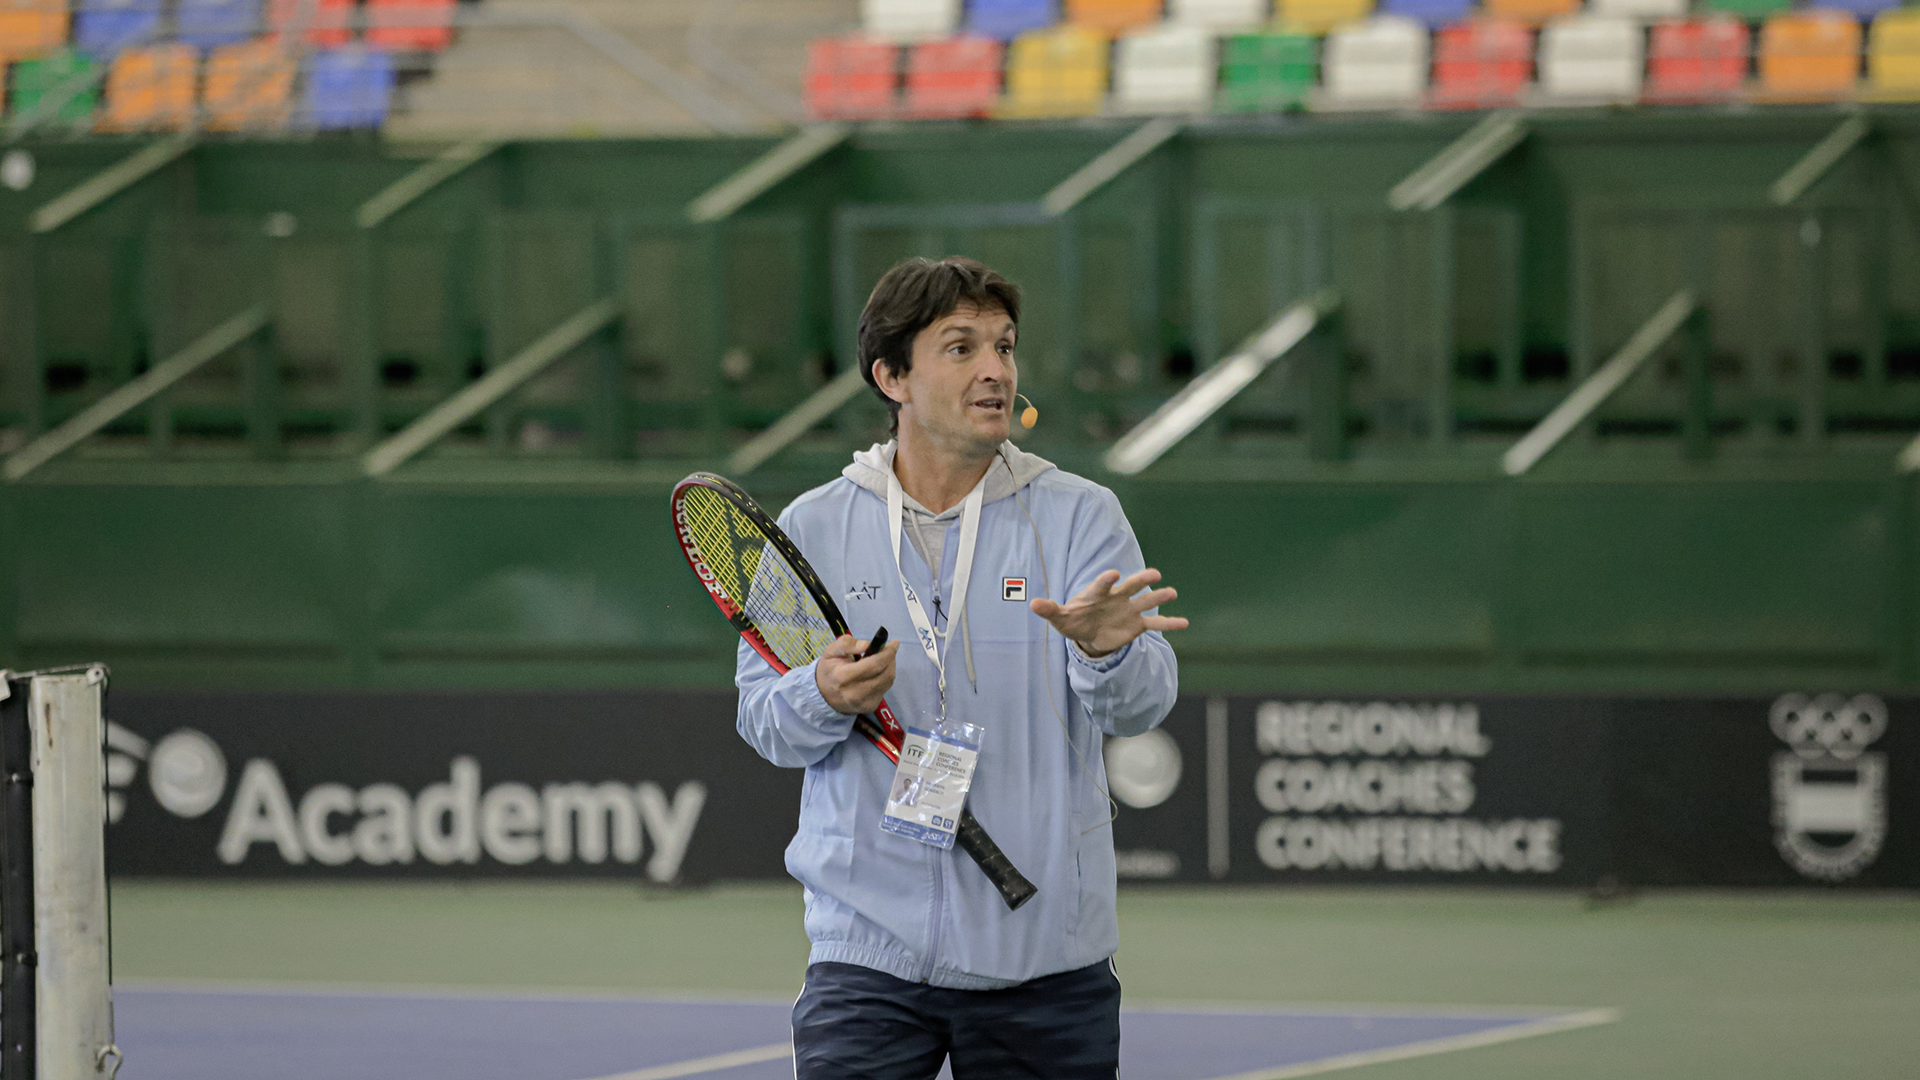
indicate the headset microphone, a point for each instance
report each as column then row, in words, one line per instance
column 1030, row 415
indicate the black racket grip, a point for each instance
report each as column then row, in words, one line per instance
column 1014, row 887
column 879, row 642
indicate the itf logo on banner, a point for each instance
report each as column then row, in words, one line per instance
column 1829, row 790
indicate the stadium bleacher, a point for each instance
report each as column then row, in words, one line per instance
column 221, row 65
column 1238, row 56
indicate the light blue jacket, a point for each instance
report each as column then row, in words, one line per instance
column 906, row 908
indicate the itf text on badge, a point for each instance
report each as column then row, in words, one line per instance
column 930, row 785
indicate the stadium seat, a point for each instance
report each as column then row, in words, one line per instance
column 1865, row 9
column 1379, row 63
column 1113, row 16
column 104, row 27
column 249, row 86
column 32, row 28
column 1220, row 15
column 349, row 88
column 1166, row 68
column 960, row 77
column 851, row 78
column 1592, row 58
column 1809, row 55
column 1748, row 9
column 1008, row 19
column 1531, row 12
column 1319, row 16
column 33, row 80
column 410, row 25
column 1696, row 60
column 1058, row 72
column 909, row 20
column 1264, row 72
column 326, row 23
column 151, row 89
column 208, row 24
column 1639, row 9
column 1434, row 13
column 1481, row 64
column 1893, row 56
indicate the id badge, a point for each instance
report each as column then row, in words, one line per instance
column 930, row 784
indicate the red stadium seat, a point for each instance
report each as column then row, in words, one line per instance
column 959, row 77
column 1480, row 64
column 327, row 23
column 851, row 78
column 410, row 25
column 1693, row 60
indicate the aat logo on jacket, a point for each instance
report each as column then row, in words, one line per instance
column 1829, row 790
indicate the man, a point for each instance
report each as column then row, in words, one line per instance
column 1025, row 608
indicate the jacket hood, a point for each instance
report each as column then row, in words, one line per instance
column 871, row 467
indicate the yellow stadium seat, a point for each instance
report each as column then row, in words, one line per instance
column 1893, row 56
column 1058, row 72
column 30, row 29
column 150, row 89
column 1319, row 16
column 249, row 85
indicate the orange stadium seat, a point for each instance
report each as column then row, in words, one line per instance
column 327, row 23
column 151, row 89
column 1112, row 16
column 1480, row 64
column 1693, row 60
column 959, row 77
column 1809, row 55
column 249, row 86
column 31, row 28
column 410, row 25
column 1532, row 12
column 1058, row 72
column 851, row 78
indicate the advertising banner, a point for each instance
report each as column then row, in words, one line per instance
column 655, row 786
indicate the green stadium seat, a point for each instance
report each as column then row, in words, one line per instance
column 34, row 79
column 1267, row 71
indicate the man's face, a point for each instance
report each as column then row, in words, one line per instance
column 959, row 392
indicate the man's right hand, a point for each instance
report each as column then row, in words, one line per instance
column 852, row 685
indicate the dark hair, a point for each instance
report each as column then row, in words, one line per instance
column 913, row 295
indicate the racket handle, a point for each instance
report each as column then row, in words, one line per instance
column 1014, row 887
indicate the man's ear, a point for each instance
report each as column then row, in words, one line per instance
column 894, row 386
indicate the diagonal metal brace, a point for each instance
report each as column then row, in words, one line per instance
column 395, row 196
column 1600, row 385
column 766, row 172
column 1111, row 162
column 491, row 387
column 108, row 182
column 1213, row 388
column 1818, row 161
column 116, row 404
column 1463, row 159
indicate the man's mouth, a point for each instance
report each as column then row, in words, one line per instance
column 994, row 404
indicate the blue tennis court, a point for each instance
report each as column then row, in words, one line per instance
column 241, row 1033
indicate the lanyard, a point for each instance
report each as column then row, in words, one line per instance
column 931, row 641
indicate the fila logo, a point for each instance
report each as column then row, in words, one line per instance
column 1013, row 588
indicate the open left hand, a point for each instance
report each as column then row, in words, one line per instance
column 1108, row 614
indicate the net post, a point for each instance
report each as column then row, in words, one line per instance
column 17, row 960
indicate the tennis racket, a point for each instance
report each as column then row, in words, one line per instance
column 768, row 591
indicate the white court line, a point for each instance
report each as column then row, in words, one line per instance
column 1433, row 1046
column 770, row 1052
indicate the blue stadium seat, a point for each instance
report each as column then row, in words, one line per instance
column 104, row 27
column 1434, row 13
column 209, row 24
column 349, row 88
column 1009, row 19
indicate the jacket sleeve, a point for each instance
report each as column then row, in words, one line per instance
column 1131, row 689
column 783, row 717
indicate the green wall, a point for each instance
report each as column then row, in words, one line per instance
column 1732, row 521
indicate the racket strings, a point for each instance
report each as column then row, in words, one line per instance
column 759, row 580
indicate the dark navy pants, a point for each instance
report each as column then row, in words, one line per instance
column 855, row 1023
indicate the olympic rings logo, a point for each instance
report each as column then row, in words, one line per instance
column 1829, row 725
